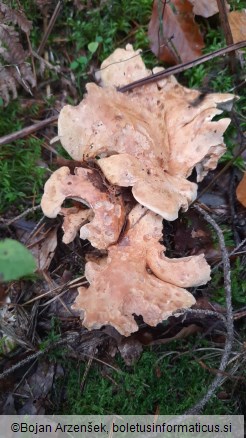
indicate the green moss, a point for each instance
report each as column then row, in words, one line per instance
column 21, row 177
column 170, row 384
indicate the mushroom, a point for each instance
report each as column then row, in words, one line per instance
column 131, row 139
column 85, row 186
column 149, row 139
column 122, row 67
column 74, row 218
column 135, row 279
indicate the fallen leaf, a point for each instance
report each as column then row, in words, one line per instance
column 237, row 21
column 36, row 388
column 205, row 8
column 43, row 246
column 15, row 260
column 241, row 191
column 9, row 407
column 158, row 372
column 130, row 350
column 179, row 39
column 182, row 334
column 223, row 395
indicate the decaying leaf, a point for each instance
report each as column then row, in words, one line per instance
column 84, row 186
column 237, row 21
column 42, row 247
column 35, row 389
column 130, row 350
column 150, row 139
column 185, row 332
column 14, row 68
column 241, row 191
column 136, row 278
column 7, row 342
column 173, row 33
column 205, row 8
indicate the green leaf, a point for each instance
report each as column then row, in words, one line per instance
column 92, row 47
column 74, row 65
column 15, row 260
column 82, row 60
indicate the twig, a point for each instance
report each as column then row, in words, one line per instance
column 149, row 79
column 227, row 32
column 229, row 318
column 161, row 7
column 231, row 253
column 32, row 59
column 49, row 27
column 24, row 376
column 29, row 45
column 29, row 210
column 56, row 68
column 32, row 233
column 202, row 312
column 87, row 369
column 27, row 131
column 68, row 339
column 182, row 67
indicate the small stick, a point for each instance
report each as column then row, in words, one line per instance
column 198, row 407
column 87, row 369
column 231, row 253
column 227, row 32
column 70, row 338
column 49, row 27
column 201, row 312
column 27, row 131
column 149, row 79
column 182, row 67
column 29, row 210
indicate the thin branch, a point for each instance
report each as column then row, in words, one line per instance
column 201, row 312
column 227, row 32
column 16, row 218
column 149, row 79
column 56, row 68
column 161, row 6
column 198, row 407
column 235, row 251
column 182, row 67
column 27, row 130
column 50, row 27
column 70, row 338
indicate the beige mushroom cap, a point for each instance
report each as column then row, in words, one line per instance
column 109, row 214
column 122, row 67
column 149, row 139
column 135, row 279
column 73, row 220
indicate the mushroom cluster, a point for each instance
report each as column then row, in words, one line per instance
column 136, row 150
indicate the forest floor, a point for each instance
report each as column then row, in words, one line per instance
column 49, row 363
